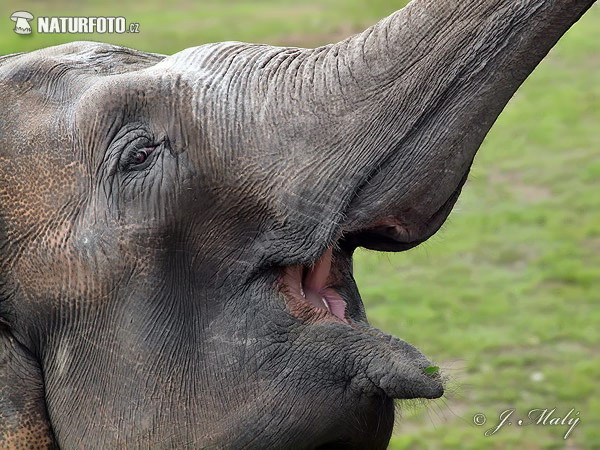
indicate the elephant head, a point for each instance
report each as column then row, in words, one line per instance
column 177, row 231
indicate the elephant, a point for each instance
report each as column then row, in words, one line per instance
column 177, row 232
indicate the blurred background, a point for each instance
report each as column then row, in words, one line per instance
column 506, row 297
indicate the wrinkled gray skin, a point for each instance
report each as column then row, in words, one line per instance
column 142, row 303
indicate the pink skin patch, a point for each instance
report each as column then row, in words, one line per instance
column 335, row 302
column 311, row 285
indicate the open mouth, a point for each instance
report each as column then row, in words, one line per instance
column 310, row 290
column 323, row 292
column 310, row 294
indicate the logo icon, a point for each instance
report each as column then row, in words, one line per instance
column 22, row 19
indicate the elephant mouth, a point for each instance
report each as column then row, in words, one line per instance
column 309, row 290
column 310, row 294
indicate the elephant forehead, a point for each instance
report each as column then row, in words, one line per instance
column 59, row 74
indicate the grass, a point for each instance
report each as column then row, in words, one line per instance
column 506, row 298
column 185, row 23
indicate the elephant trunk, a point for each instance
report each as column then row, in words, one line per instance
column 411, row 99
column 375, row 132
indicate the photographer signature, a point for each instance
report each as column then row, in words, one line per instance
column 537, row 416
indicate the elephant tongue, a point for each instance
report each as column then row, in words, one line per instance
column 316, row 291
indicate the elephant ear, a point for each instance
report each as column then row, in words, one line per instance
column 23, row 417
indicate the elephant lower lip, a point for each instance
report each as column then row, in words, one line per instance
column 308, row 292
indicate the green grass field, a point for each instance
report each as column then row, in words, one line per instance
column 506, row 298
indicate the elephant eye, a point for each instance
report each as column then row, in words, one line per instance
column 141, row 156
column 138, row 158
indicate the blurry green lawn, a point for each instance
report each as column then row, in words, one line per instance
column 506, row 296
